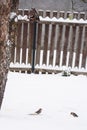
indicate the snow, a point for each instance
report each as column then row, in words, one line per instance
column 57, row 95
column 12, row 15
column 53, row 19
column 63, row 20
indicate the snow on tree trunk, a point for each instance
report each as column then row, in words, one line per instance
column 4, row 45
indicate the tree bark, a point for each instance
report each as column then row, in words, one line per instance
column 5, row 6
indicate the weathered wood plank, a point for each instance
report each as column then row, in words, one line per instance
column 59, row 38
column 84, row 53
column 24, row 43
column 71, row 46
column 52, row 43
column 31, row 33
column 39, row 38
column 19, row 38
column 61, row 14
column 46, row 37
column 78, row 48
column 65, row 45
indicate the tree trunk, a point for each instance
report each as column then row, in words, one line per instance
column 6, row 6
column 4, row 45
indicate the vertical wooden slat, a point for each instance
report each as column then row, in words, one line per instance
column 78, row 49
column 79, row 39
column 76, row 15
column 75, row 45
column 52, row 44
column 31, row 33
column 45, row 45
column 61, row 14
column 40, row 12
column 82, row 15
column 72, row 42
column 65, row 45
column 39, row 38
column 59, row 39
column 84, row 53
column 69, row 47
column 55, row 14
column 25, row 33
column 47, row 13
column 19, row 40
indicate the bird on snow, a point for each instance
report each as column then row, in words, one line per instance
column 39, row 111
column 74, row 114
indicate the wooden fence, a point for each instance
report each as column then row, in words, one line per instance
column 51, row 46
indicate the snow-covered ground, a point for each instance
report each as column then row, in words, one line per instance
column 57, row 95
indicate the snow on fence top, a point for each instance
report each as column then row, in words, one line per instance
column 62, row 20
column 53, row 19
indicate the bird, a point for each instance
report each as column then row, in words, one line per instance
column 74, row 114
column 36, row 112
column 39, row 111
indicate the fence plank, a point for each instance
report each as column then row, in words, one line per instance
column 82, row 15
column 19, row 39
column 38, row 46
column 65, row 45
column 59, row 38
column 25, row 33
column 45, row 48
column 52, row 44
column 39, row 38
column 71, row 46
column 45, row 45
column 31, row 33
column 53, row 38
column 47, row 13
column 76, row 15
column 61, row 14
column 78, row 48
column 84, row 50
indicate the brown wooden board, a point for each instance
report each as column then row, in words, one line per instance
column 31, row 34
column 46, row 37
column 19, row 38
column 38, row 44
column 71, row 47
column 39, row 39
column 84, row 54
column 52, row 44
column 58, row 49
column 61, row 14
column 82, row 15
column 45, row 45
column 53, row 39
column 78, row 47
column 65, row 46
column 25, row 35
column 18, row 46
column 76, row 15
